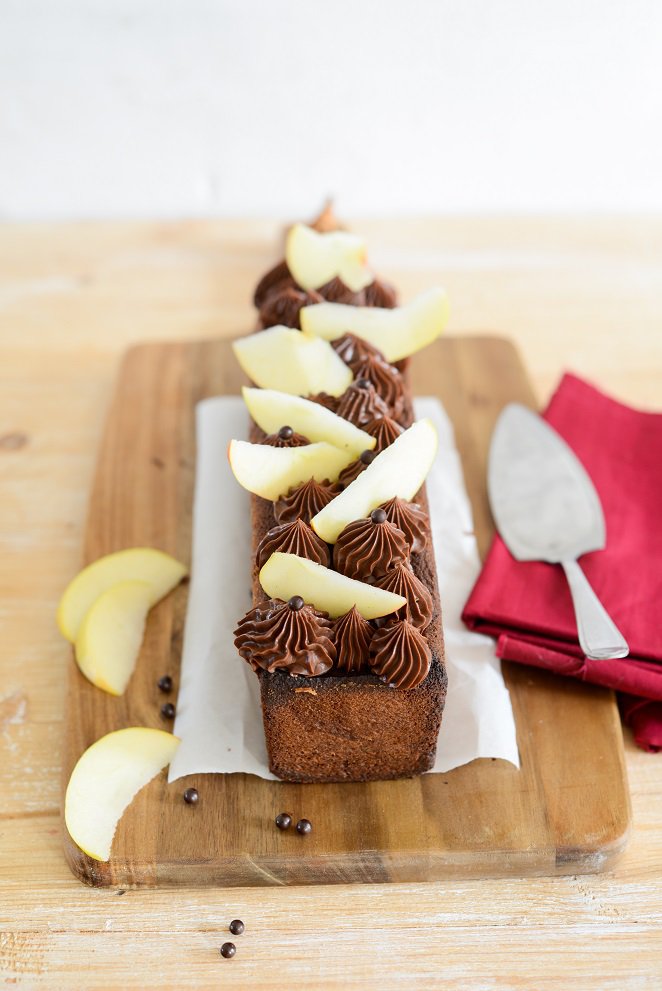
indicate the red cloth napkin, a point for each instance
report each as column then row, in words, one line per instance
column 527, row 605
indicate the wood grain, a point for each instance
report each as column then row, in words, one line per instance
column 557, row 814
column 582, row 293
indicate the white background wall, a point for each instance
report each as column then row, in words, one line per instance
column 190, row 107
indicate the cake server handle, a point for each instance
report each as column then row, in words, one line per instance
column 599, row 637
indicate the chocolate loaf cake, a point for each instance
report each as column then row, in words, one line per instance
column 351, row 699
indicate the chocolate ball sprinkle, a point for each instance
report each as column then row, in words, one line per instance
column 168, row 710
column 295, row 603
column 304, row 826
column 283, row 820
column 165, row 684
column 191, row 796
column 285, row 433
column 236, row 927
column 228, row 950
column 367, row 457
column 362, row 383
column 378, row 516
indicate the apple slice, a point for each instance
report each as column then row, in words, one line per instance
column 397, row 333
column 271, row 471
column 285, row 575
column 398, row 471
column 272, row 410
column 106, row 778
column 109, row 638
column 314, row 259
column 160, row 571
column 296, row 363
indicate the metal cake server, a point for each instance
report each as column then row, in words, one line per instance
column 546, row 509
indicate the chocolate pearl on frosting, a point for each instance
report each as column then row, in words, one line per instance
column 168, row 710
column 360, row 403
column 283, row 820
column 354, row 469
column 286, row 636
column 191, row 796
column 228, row 950
column 236, row 927
column 304, row 827
column 285, row 437
column 368, row 548
column 165, row 684
column 412, row 520
column 386, row 380
column 297, row 538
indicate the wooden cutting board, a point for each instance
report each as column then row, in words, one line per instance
column 566, row 811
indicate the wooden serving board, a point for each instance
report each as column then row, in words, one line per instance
column 565, row 812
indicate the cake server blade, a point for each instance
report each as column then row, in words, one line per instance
column 546, row 508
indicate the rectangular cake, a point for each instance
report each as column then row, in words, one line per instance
column 345, row 633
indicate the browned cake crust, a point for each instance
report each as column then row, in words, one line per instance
column 339, row 727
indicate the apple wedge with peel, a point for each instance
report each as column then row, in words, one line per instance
column 272, row 410
column 144, row 564
column 293, row 362
column 397, row 333
column 285, row 575
column 398, row 471
column 270, row 471
column 314, row 259
column 109, row 638
column 105, row 780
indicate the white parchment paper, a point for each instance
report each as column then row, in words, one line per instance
column 218, row 712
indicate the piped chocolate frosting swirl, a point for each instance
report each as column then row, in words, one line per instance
column 360, row 403
column 285, row 437
column 412, row 520
column 286, row 636
column 282, row 306
column 335, row 291
column 419, row 606
column 353, row 350
column 324, row 399
column 380, row 293
column 305, row 501
column 384, row 430
column 400, row 655
column 352, row 634
column 276, row 279
column 297, row 538
column 369, row 548
column 386, row 379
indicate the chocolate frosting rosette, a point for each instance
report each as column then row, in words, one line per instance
column 400, row 655
column 367, row 549
column 286, row 636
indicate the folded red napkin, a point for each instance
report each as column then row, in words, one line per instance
column 527, row 605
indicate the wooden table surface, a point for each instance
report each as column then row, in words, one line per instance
column 584, row 294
